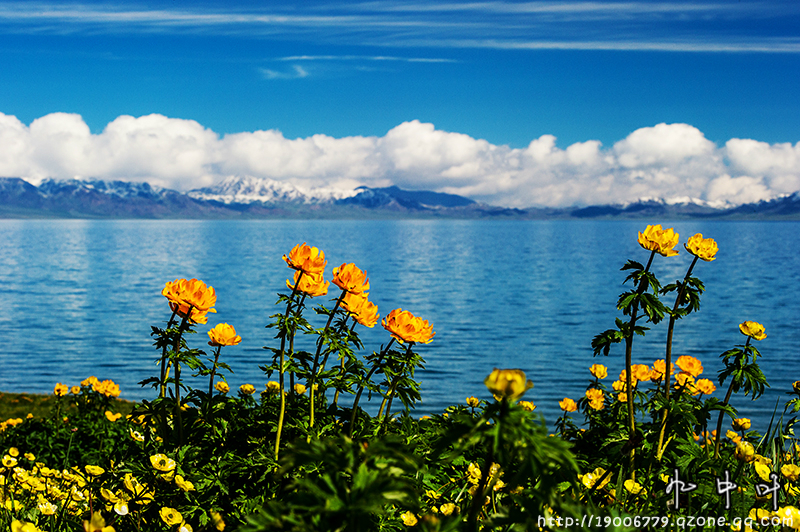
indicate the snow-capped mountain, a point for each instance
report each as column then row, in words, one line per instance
column 247, row 189
column 121, row 189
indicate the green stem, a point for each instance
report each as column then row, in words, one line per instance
column 336, row 395
column 162, row 383
column 282, row 412
column 175, row 351
column 387, row 400
column 317, row 367
column 628, row 363
column 361, row 388
column 725, row 402
column 668, row 358
column 213, row 372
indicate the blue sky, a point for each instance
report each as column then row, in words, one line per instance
column 515, row 103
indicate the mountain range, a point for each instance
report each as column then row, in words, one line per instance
column 250, row 197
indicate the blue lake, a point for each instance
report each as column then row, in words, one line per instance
column 79, row 297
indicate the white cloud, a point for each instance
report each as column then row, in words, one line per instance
column 297, row 72
column 666, row 161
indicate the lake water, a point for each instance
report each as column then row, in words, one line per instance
column 79, row 297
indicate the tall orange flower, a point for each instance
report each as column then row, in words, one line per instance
column 184, row 294
column 351, row 278
column 702, row 248
column 690, row 365
column 310, row 285
column 306, row 259
column 406, row 327
column 662, row 241
column 363, row 310
column 223, row 334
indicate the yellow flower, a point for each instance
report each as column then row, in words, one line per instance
column 299, row 389
column 409, row 519
column 222, row 387
column 741, row 423
column 94, row 470
column 223, row 334
column 183, row 484
column 473, row 402
column 216, row 520
column 184, row 294
column 136, row 435
column 75, row 390
column 753, row 330
column 690, row 365
column 659, row 369
column 310, row 285
column 789, row 515
column 405, row 327
column 684, row 380
column 19, row 526
column 662, row 241
column 745, row 452
column 705, row 386
column 9, row 461
column 273, row 387
column 634, row 487
column 107, row 388
column 527, row 405
column 97, row 524
column 89, row 381
column 791, row 472
column 640, row 372
column 112, row 416
column 568, row 405
column 60, row 389
column 762, row 470
column 13, row 451
column 247, row 389
column 796, row 387
column 702, row 248
column 447, row 508
column 598, row 371
column 508, row 384
column 363, row 311
column 185, row 527
column 591, row 478
column 170, row 516
column 622, row 397
column 29, row 456
column 47, row 508
column 310, row 260
column 596, row 398
column 351, row 279
column 162, row 462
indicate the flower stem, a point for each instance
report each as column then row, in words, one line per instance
column 282, row 412
column 725, row 402
column 213, row 372
column 668, row 358
column 163, row 384
column 361, row 388
column 176, row 349
column 628, row 363
column 336, row 395
column 317, row 367
column 395, row 382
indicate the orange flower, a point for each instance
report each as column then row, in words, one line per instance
column 702, row 248
column 60, row 389
column 405, row 327
column 685, row 380
column 107, row 388
column 223, row 334
column 309, row 260
column 598, row 371
column 705, row 386
column 311, row 285
column 659, row 368
column 690, row 365
column 184, row 294
column 568, row 405
column 364, row 311
column 753, row 329
column 640, row 372
column 351, row 279
column 596, row 398
column 662, row 241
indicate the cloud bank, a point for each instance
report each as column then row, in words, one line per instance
column 669, row 161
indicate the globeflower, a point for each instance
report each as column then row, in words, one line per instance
column 745, row 452
column 222, row 387
column 409, row 519
column 598, row 371
column 596, row 398
column 351, row 279
column 247, row 389
column 568, row 405
column 405, row 327
column 170, row 516
column 590, row 479
column 702, row 248
column 191, row 294
column 223, row 334
column 705, row 386
column 310, row 285
column 304, row 258
column 690, row 365
column 753, row 330
column 659, row 369
column 363, row 311
column 790, row 472
column 107, row 387
column 60, row 389
column 741, row 423
column 527, row 406
column 508, row 384
column 162, row 462
column 659, row 240
column 473, row 402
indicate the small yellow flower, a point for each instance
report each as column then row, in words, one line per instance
column 223, row 334
column 662, row 241
column 185, row 527
column 97, row 524
column 9, row 461
column 75, row 390
column 702, row 248
column 527, row 405
column 222, row 387
column 473, row 402
column 508, row 384
column 47, row 508
column 162, row 462
column 107, row 388
column 790, row 472
column 762, row 470
column 447, row 508
column 351, row 278
column 89, row 381
column 170, row 516
column 789, row 514
column 310, row 285
column 13, row 451
column 306, row 258
column 183, row 484
column 690, row 365
column 598, row 371
column 590, row 479
column 247, row 389
column 705, row 386
column 659, row 369
column 94, row 470
column 136, row 435
column 640, row 372
column 409, row 519
column 112, row 416
column 361, row 308
column 596, row 398
column 745, row 452
column 752, row 329
column 60, row 390
column 216, row 520
column 299, row 389
column 796, row 387
column 634, row 487
column 568, row 405
column 29, row 456
column 741, row 423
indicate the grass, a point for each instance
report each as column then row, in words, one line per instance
column 19, row 405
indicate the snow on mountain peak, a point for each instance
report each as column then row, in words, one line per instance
column 248, row 189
